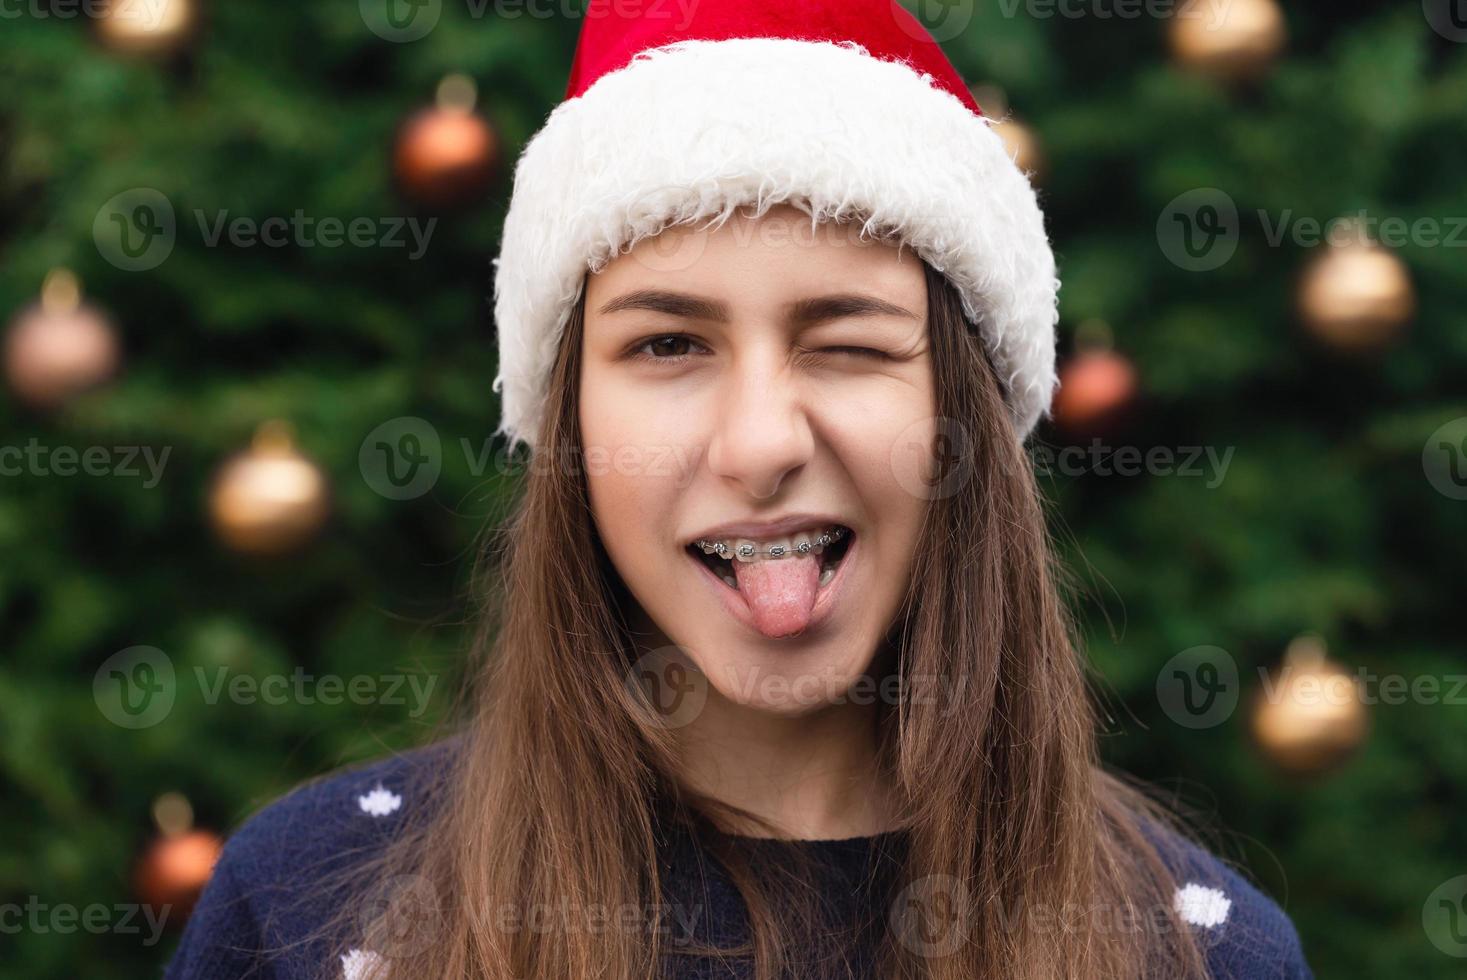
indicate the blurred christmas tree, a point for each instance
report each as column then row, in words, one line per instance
column 191, row 426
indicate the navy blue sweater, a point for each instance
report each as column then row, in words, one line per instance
column 252, row 920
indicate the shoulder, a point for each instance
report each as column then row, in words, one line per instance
column 271, row 890
column 318, row 822
column 1243, row 932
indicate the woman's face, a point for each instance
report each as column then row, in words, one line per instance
column 769, row 375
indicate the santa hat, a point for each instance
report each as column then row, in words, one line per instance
column 842, row 108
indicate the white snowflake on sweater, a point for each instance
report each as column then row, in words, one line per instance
column 1202, row 906
column 379, row 802
column 362, row 964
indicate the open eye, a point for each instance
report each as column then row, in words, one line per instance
column 668, row 348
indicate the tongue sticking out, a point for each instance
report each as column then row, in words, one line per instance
column 780, row 592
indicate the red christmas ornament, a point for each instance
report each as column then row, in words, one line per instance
column 446, row 155
column 1097, row 387
column 174, row 869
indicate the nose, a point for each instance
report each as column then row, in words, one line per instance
column 762, row 432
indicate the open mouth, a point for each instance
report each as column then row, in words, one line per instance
column 830, row 557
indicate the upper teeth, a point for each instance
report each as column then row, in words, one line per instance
column 747, row 549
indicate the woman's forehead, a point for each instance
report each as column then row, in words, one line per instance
column 781, row 252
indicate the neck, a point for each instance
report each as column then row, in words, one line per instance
column 815, row 776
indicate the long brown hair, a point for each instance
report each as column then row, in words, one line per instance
column 564, row 783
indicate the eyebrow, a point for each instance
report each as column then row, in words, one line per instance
column 814, row 309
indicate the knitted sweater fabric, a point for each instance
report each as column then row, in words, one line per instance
column 263, row 912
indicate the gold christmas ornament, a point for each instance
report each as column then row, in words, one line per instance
column 1234, row 41
column 1356, row 296
column 60, row 346
column 269, row 499
column 1310, row 716
column 446, row 155
column 148, row 27
column 173, row 813
column 1020, row 141
column 1022, row 145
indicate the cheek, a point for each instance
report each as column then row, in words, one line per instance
column 620, row 414
column 634, row 469
column 886, row 442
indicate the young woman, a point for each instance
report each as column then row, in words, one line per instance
column 776, row 680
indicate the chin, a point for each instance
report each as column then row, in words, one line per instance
column 781, row 685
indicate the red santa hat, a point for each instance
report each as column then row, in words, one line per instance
column 846, row 109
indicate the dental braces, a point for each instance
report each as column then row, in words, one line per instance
column 750, row 552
